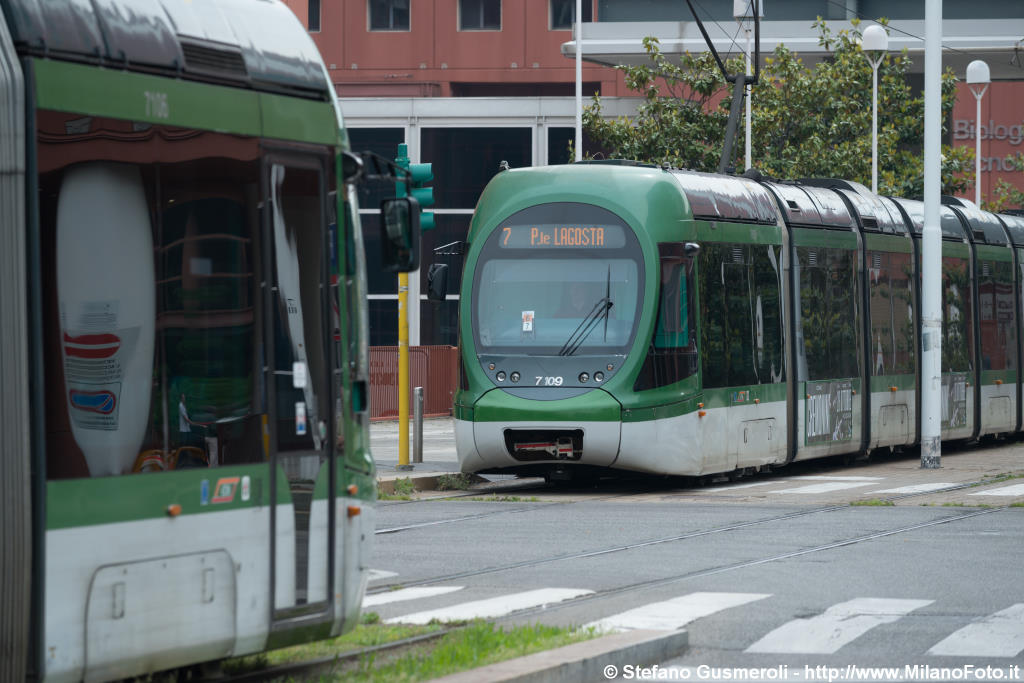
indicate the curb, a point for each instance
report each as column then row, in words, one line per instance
column 591, row 660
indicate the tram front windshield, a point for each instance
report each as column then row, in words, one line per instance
column 558, row 279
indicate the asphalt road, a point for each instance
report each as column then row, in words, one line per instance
column 779, row 572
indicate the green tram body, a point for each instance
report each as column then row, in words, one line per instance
column 748, row 324
column 241, row 305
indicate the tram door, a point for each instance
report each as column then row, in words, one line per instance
column 298, row 368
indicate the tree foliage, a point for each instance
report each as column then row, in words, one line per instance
column 806, row 120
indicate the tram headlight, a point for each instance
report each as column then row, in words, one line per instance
column 584, row 378
column 514, row 376
column 598, row 376
column 501, row 375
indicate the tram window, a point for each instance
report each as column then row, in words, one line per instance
column 996, row 315
column 829, row 314
column 152, row 319
column 957, row 323
column 298, row 237
column 672, row 356
column 741, row 319
column 890, row 279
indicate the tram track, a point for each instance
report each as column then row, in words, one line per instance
column 524, row 564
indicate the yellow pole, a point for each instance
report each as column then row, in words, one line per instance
column 403, row 371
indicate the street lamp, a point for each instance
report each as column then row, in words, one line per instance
column 743, row 12
column 874, row 42
column 977, row 80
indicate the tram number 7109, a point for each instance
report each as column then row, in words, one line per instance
column 550, row 381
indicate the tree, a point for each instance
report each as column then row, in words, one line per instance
column 806, row 121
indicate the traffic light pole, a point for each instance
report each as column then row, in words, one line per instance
column 403, row 372
column 403, row 340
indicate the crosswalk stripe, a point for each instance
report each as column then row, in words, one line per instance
column 492, row 608
column 823, row 477
column 918, row 488
column 1015, row 490
column 825, row 488
column 837, row 626
column 670, row 615
column 733, row 487
column 997, row 635
column 407, row 594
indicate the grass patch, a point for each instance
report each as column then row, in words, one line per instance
column 476, row 645
column 402, row 489
column 460, row 481
column 1016, row 505
column 368, row 633
column 503, row 499
column 873, row 502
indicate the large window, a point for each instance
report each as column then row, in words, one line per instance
column 829, row 314
column 563, row 13
column 555, row 279
column 891, row 349
column 479, row 15
column 389, row 15
column 672, row 354
column 996, row 315
column 957, row 322
column 465, row 159
column 741, row 339
column 159, row 312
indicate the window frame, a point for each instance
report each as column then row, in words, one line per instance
column 587, row 5
column 480, row 3
column 370, row 14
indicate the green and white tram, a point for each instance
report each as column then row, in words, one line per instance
column 185, row 471
column 624, row 316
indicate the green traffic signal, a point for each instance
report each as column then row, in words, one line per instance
column 421, row 174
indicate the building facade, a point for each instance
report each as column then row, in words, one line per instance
column 468, row 84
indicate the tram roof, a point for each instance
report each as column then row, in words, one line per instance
column 733, row 198
column 261, row 45
column 948, row 221
column 808, row 206
column 873, row 213
column 984, row 227
column 1014, row 226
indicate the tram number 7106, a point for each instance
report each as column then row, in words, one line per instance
column 550, row 381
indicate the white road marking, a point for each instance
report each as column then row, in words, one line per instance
column 824, row 477
column 733, row 487
column 378, row 574
column 997, row 635
column 493, row 607
column 919, row 488
column 1015, row 490
column 407, row 594
column 673, row 614
column 824, row 488
column 838, row 625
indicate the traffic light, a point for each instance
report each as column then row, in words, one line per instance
column 419, row 176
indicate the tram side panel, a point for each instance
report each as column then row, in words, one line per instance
column 828, row 342
column 742, row 346
column 997, row 338
column 892, row 342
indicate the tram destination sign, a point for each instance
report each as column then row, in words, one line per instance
column 562, row 235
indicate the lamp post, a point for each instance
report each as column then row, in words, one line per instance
column 977, row 80
column 874, row 42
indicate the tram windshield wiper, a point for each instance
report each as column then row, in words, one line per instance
column 586, row 326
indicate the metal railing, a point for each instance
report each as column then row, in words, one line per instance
column 435, row 368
